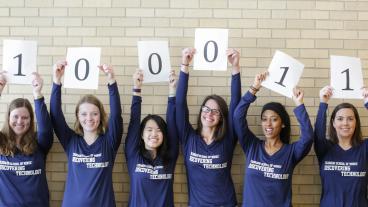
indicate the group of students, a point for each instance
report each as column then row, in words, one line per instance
column 152, row 147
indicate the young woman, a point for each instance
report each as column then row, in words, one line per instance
column 151, row 151
column 23, row 151
column 208, row 150
column 343, row 158
column 92, row 146
column 270, row 162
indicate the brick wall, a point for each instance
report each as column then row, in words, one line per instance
column 309, row 30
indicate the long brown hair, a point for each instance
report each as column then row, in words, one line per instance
column 357, row 136
column 28, row 143
column 91, row 99
column 221, row 128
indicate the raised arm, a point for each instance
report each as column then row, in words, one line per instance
column 245, row 135
column 321, row 144
column 233, row 58
column 44, row 127
column 170, row 118
column 304, row 144
column 61, row 128
column 2, row 81
column 182, row 114
column 115, row 126
column 134, row 135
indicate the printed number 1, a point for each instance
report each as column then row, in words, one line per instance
column 347, row 81
column 283, row 76
column 19, row 65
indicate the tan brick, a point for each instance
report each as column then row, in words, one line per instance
column 97, row 3
column 125, row 3
column 227, row 13
column 15, row 3
column 285, row 33
column 300, row 24
column 257, row 14
column 132, row 12
column 168, row 32
column 285, row 14
column 11, row 21
column 300, row 5
column 300, row 43
column 356, row 5
column 343, row 15
column 329, row 44
column 213, row 4
column 62, row 21
column 23, row 12
column 198, row 13
column 338, row 34
column 329, row 24
column 315, row 34
column 184, row 4
column 219, row 23
column 52, row 31
column 271, row 23
column 81, row 31
column 139, row 32
column 68, row 3
column 53, row 12
column 270, row 43
column 38, row 21
column 23, row 31
column 82, row 12
column 314, row 14
column 169, row 12
column 155, row 22
column 184, row 22
column 242, row 4
column 276, row 4
column 99, row 21
column 111, row 12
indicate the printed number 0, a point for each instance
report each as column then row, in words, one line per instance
column 159, row 63
column 77, row 68
column 215, row 52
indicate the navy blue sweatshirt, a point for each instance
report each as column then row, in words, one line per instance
column 23, row 177
column 268, row 178
column 89, row 178
column 208, row 166
column 151, row 182
column 343, row 172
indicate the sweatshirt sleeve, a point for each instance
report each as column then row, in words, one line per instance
column 61, row 128
column 172, row 131
column 304, row 144
column 44, row 127
column 234, row 101
column 115, row 124
column 321, row 144
column 133, row 136
column 182, row 115
column 245, row 135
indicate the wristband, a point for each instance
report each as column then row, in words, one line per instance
column 253, row 88
column 185, row 64
column 137, row 90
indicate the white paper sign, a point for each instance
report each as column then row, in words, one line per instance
column 284, row 74
column 82, row 71
column 20, row 60
column 346, row 77
column 211, row 46
column 154, row 60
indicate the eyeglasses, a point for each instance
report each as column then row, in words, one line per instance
column 206, row 109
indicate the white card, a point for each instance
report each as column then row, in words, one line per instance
column 284, row 74
column 82, row 71
column 20, row 60
column 154, row 60
column 211, row 46
column 346, row 77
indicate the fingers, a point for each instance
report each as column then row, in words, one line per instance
column 326, row 93
column 105, row 68
column 3, row 79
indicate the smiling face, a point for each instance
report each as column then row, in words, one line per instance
column 210, row 114
column 19, row 121
column 89, row 117
column 271, row 124
column 152, row 135
column 344, row 123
